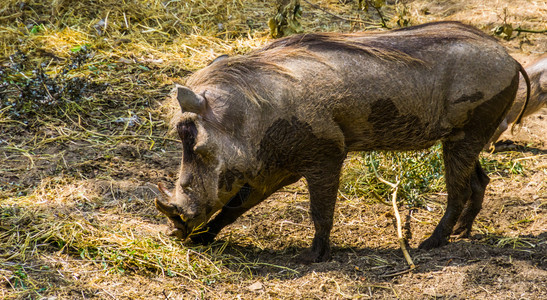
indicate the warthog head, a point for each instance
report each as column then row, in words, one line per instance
column 195, row 197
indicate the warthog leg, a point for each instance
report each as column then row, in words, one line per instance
column 465, row 180
column 323, row 188
column 224, row 218
column 479, row 181
column 244, row 200
column 459, row 160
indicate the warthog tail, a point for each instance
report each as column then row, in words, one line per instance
column 528, row 89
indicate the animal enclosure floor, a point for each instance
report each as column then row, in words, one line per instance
column 77, row 219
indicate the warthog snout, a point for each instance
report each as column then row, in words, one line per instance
column 172, row 212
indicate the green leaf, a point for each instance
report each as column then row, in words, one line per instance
column 37, row 28
column 79, row 48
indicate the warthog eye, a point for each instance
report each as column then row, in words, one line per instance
column 187, row 132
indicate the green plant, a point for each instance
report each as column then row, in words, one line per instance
column 30, row 86
column 420, row 174
column 287, row 19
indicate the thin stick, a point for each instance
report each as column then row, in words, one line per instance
column 402, row 241
column 379, row 13
column 519, row 30
column 396, row 273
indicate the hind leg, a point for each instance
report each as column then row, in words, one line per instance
column 459, row 161
column 465, row 179
column 479, row 181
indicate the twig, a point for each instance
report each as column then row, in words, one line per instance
column 380, row 199
column 397, row 273
column 530, row 157
column 519, row 30
column 402, row 241
column 379, row 13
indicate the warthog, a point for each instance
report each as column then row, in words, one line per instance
column 252, row 124
column 537, row 71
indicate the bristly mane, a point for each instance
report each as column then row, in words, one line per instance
column 307, row 44
column 380, row 44
column 241, row 72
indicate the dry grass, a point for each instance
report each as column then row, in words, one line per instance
column 76, row 213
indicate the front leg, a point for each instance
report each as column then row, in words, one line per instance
column 245, row 199
column 323, row 188
column 226, row 217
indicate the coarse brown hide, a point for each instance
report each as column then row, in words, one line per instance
column 537, row 73
column 252, row 124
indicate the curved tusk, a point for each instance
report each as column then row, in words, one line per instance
column 165, row 192
column 190, row 101
column 166, row 208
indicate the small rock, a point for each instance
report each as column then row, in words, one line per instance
column 125, row 60
column 255, row 286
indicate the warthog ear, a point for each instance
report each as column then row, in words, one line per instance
column 190, row 101
column 222, row 57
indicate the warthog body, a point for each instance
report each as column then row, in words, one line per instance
column 537, row 71
column 252, row 124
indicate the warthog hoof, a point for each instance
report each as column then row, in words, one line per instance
column 433, row 242
column 181, row 234
column 462, row 231
column 309, row 256
column 203, row 238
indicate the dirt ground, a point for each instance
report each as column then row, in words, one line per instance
column 73, row 176
column 506, row 258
